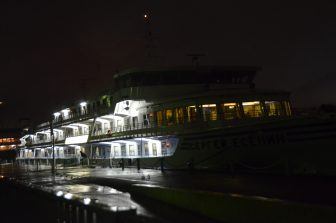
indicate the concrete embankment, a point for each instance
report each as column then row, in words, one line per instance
column 238, row 208
column 225, row 207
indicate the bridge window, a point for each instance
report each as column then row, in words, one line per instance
column 179, row 115
column 252, row 109
column 209, row 112
column 273, row 108
column 230, row 111
column 192, row 113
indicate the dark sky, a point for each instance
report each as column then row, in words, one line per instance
column 56, row 52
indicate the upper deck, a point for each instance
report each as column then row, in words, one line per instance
column 238, row 76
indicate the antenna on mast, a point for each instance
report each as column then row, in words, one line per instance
column 149, row 40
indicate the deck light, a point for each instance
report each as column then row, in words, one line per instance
column 114, row 208
column 68, row 196
column 56, row 114
column 65, row 111
column 82, row 104
column 87, row 201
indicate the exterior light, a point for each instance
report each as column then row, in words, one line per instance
column 56, row 114
column 68, row 196
column 64, row 111
column 100, row 189
column 59, row 193
column 87, row 201
column 114, row 208
column 82, row 104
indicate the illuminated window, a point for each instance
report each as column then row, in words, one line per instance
column 192, row 114
column 123, row 150
column 252, row 109
column 154, row 149
column 179, row 115
column 146, row 149
column 131, row 150
column 159, row 118
column 209, row 112
column 287, row 108
column 230, row 111
column 169, row 117
column 116, row 150
column 273, row 108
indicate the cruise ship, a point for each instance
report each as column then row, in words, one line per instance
column 200, row 118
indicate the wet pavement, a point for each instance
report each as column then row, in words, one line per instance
column 307, row 189
column 85, row 186
column 110, row 188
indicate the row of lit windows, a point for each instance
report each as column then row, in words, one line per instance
column 224, row 111
column 7, row 140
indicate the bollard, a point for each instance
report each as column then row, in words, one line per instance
column 122, row 164
column 94, row 217
column 70, row 214
column 138, row 164
column 161, row 164
column 77, row 215
column 85, row 216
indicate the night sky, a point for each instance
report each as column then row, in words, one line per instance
column 56, row 52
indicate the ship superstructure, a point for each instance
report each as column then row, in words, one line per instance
column 174, row 118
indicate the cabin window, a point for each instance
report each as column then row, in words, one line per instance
column 131, row 150
column 154, row 149
column 169, row 117
column 287, row 108
column 146, row 149
column 179, row 115
column 151, row 118
column 230, row 111
column 123, row 150
column 135, row 122
column 116, row 150
column 209, row 112
column 139, row 150
column 159, row 118
column 252, row 109
column 192, row 113
column 273, row 108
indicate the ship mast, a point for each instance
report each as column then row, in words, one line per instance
column 150, row 47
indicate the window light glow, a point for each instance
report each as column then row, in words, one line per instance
column 251, row 103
